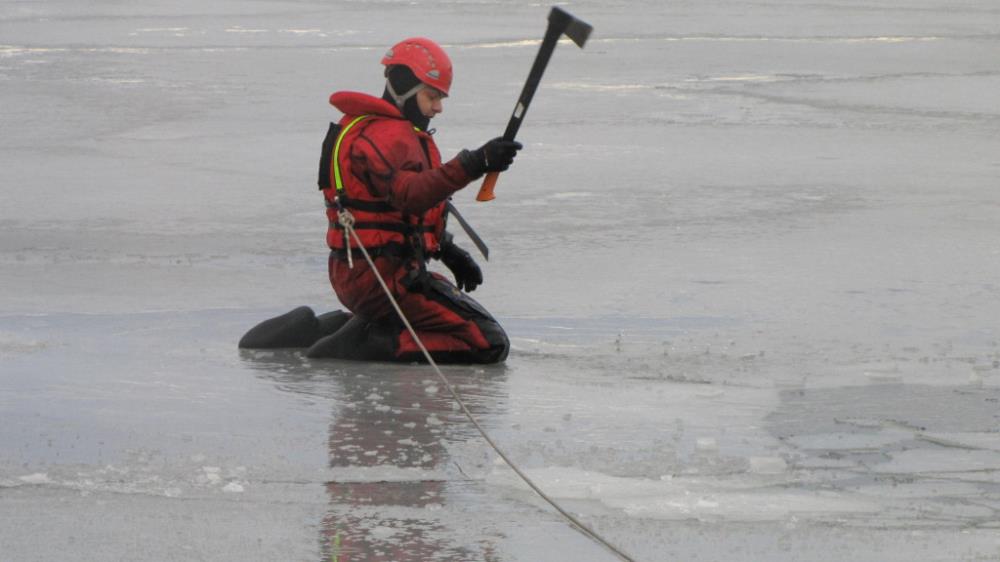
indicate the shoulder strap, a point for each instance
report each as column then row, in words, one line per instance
column 331, row 151
column 336, row 151
column 324, row 158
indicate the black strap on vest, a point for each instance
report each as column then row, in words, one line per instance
column 367, row 206
column 324, row 159
column 392, row 249
column 399, row 227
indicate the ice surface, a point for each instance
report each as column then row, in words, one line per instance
column 747, row 261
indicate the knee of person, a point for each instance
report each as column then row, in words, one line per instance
column 499, row 343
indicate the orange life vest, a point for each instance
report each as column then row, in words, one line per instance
column 382, row 228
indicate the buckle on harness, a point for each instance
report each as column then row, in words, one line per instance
column 347, row 221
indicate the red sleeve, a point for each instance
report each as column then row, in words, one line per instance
column 388, row 159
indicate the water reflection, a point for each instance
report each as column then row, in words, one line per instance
column 394, row 422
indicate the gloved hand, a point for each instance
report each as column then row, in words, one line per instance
column 495, row 156
column 468, row 276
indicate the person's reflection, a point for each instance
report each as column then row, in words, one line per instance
column 393, row 423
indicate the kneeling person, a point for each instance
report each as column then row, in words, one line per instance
column 385, row 169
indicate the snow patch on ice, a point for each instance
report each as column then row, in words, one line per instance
column 209, row 477
column 706, row 444
column 683, row 498
column 117, row 50
column 740, row 78
column 889, row 39
column 12, row 51
column 233, row 488
column 13, row 344
column 174, row 31
column 36, row 478
column 161, row 29
column 889, row 374
column 500, row 44
column 239, row 29
column 571, row 195
column 318, row 32
column 581, row 86
column 118, row 80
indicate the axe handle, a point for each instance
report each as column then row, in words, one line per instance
column 552, row 33
column 486, row 190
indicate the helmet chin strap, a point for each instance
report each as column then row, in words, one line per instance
column 401, row 99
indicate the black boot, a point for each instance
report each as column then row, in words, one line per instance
column 297, row 328
column 330, row 322
column 358, row 340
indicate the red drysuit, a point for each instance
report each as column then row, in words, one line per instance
column 394, row 184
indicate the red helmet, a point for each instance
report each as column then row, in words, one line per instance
column 425, row 58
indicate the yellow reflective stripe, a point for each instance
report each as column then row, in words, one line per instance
column 336, row 152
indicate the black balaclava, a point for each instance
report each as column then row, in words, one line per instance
column 401, row 87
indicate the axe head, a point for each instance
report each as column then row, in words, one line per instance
column 562, row 21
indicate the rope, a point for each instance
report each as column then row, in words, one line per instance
column 347, row 220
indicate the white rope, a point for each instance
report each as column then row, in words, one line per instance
column 347, row 221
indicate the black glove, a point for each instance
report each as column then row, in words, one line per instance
column 468, row 276
column 495, row 156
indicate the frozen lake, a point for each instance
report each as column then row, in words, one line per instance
column 748, row 261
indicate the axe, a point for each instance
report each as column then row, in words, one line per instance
column 560, row 22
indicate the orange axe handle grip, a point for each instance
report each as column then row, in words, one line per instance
column 486, row 191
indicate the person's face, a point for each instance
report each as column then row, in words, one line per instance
column 429, row 101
